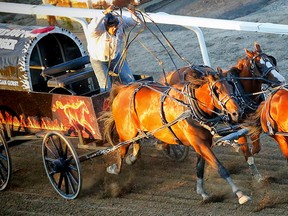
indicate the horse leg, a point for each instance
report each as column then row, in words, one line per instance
column 215, row 163
column 225, row 175
column 131, row 159
column 249, row 159
column 256, row 144
column 116, row 168
column 200, row 165
column 283, row 144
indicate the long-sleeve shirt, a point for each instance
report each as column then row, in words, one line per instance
column 103, row 46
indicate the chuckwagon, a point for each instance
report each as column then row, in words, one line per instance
column 48, row 91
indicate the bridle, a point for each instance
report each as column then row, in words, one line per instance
column 267, row 60
column 207, row 71
column 261, row 74
column 221, row 101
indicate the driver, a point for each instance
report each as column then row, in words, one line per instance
column 105, row 45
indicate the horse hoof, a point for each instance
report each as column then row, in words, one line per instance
column 244, row 199
column 113, row 169
column 258, row 178
column 205, row 196
column 130, row 159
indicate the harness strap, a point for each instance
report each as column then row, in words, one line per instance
column 243, row 99
column 197, row 114
column 271, row 124
column 163, row 117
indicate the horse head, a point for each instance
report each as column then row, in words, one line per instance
column 263, row 67
column 219, row 90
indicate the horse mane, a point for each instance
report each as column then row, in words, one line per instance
column 253, row 122
column 234, row 71
column 195, row 78
column 195, row 75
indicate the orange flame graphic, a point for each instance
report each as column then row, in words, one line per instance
column 76, row 112
column 31, row 122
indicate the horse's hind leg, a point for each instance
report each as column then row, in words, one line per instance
column 116, row 168
column 283, row 144
column 249, row 159
column 131, row 159
column 200, row 165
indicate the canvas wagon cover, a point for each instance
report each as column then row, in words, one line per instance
column 16, row 46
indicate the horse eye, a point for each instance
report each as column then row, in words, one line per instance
column 216, row 90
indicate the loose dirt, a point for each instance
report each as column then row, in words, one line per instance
column 155, row 185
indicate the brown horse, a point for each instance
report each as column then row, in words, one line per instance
column 247, row 77
column 271, row 117
column 167, row 113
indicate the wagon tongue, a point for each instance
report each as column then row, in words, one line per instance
column 228, row 139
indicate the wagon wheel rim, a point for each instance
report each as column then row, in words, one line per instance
column 176, row 152
column 5, row 163
column 62, row 165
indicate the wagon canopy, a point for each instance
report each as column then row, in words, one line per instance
column 25, row 51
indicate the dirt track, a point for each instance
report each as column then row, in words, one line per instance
column 154, row 185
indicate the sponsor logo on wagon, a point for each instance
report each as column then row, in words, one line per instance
column 9, row 83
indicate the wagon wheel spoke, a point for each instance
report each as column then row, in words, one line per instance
column 176, row 152
column 51, row 151
column 55, row 147
column 69, row 183
column 5, row 163
column 62, row 165
column 73, row 178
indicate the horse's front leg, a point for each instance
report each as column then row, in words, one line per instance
column 249, row 159
column 116, row 168
column 200, row 165
column 131, row 159
column 225, row 175
column 209, row 156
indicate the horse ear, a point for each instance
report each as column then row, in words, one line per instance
column 220, row 71
column 248, row 53
column 257, row 47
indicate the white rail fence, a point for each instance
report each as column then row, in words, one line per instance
column 192, row 23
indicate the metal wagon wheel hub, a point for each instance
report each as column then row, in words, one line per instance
column 60, row 165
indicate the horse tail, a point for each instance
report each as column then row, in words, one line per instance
column 109, row 126
column 107, row 117
column 253, row 121
column 114, row 92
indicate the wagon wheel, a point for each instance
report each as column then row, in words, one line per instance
column 62, row 165
column 5, row 163
column 175, row 152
